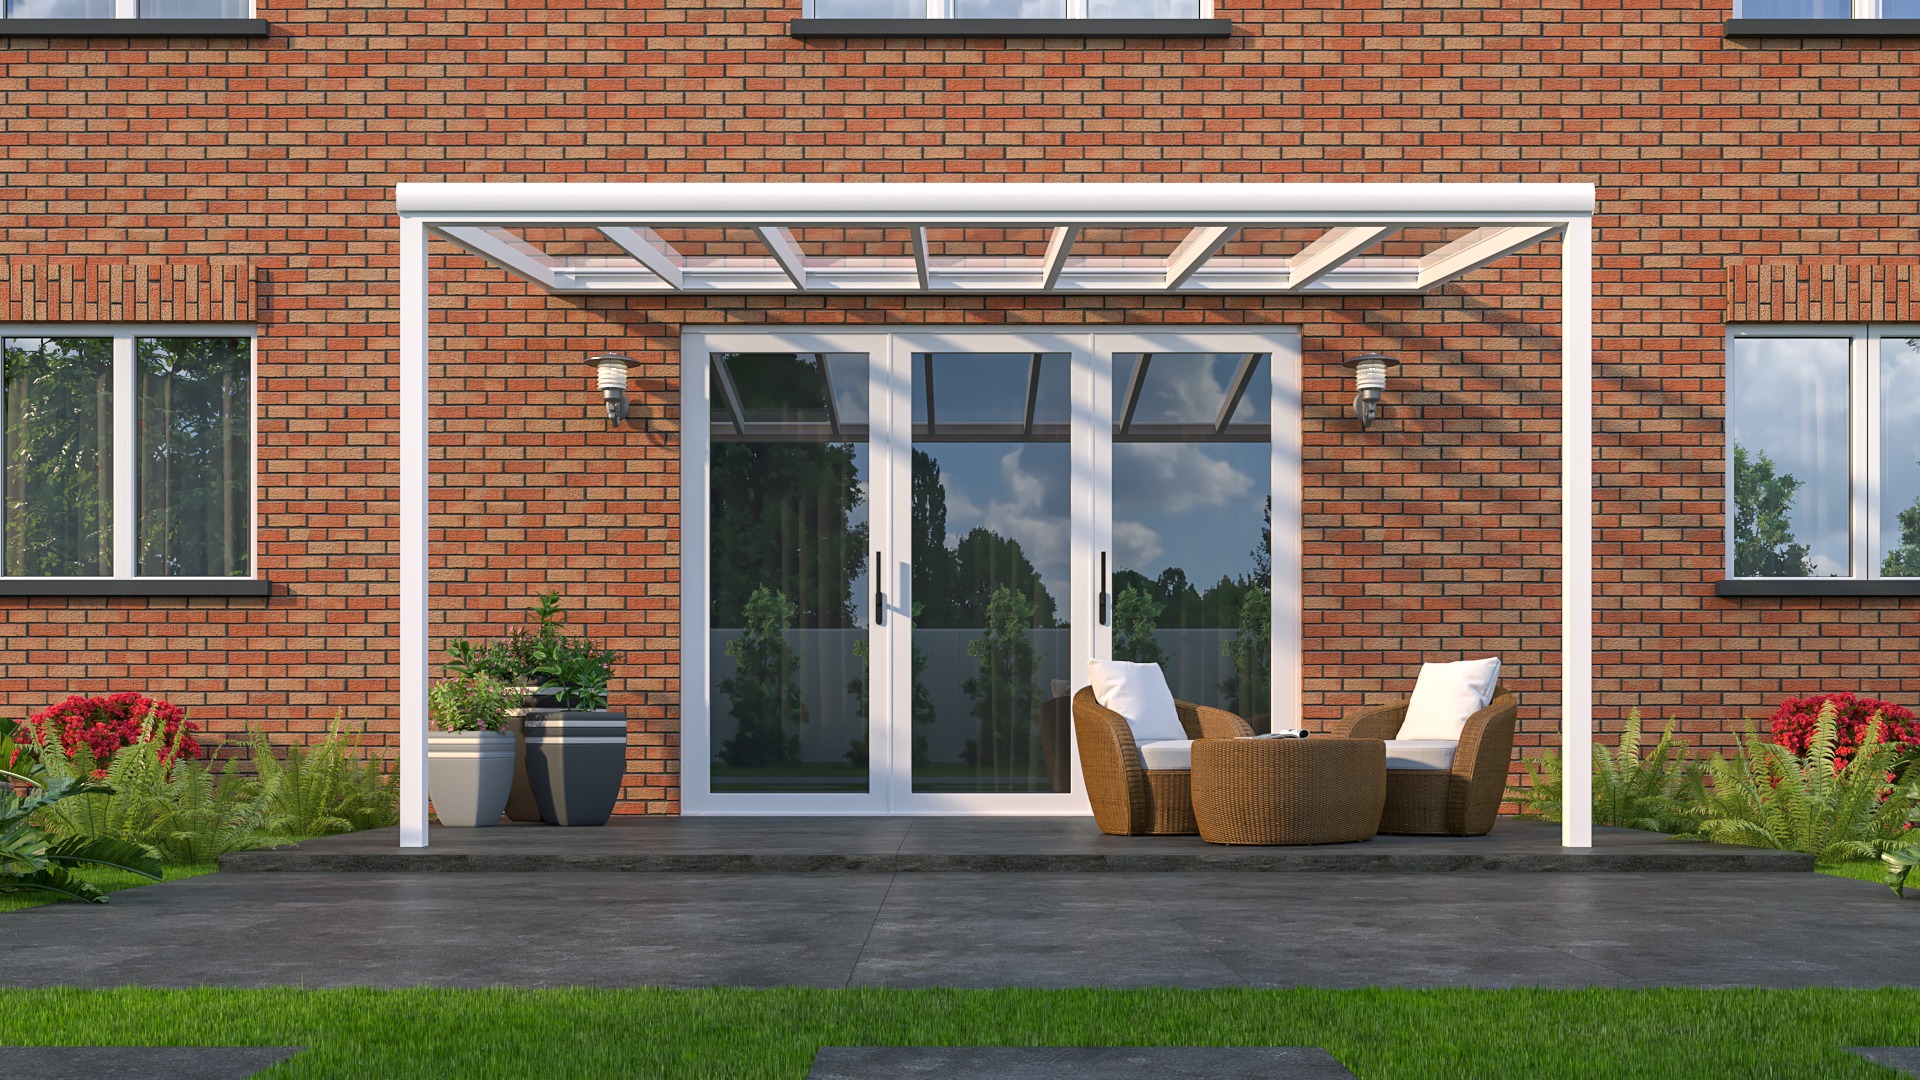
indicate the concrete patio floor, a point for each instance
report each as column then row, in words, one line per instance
column 973, row 930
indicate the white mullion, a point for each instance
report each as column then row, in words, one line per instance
column 1076, row 9
column 1286, row 485
column 125, row 474
column 889, row 526
column 1865, row 429
column 1866, row 9
column 126, row 9
column 1859, row 369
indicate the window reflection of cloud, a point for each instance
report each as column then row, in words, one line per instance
column 1899, row 437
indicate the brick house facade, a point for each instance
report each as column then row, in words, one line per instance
column 250, row 180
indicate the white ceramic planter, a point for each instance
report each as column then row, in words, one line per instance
column 469, row 775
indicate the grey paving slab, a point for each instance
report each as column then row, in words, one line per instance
column 976, row 930
column 140, row 1062
column 1075, row 1063
column 662, row 844
column 1904, row 1059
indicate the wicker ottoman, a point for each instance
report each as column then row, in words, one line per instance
column 1288, row 791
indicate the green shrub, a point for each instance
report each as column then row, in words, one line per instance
column 32, row 860
column 322, row 789
column 1765, row 795
column 1631, row 789
column 471, row 703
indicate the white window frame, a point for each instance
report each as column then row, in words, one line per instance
column 943, row 9
column 1863, row 437
column 1858, row 9
column 126, row 437
column 130, row 9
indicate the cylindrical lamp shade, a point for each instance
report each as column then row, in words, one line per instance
column 1370, row 371
column 613, row 369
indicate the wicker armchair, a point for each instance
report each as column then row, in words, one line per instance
column 1461, row 801
column 1129, row 799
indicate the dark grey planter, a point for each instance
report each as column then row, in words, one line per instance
column 575, row 761
column 521, row 805
column 469, row 774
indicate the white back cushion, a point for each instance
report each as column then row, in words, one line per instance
column 1138, row 692
column 1445, row 695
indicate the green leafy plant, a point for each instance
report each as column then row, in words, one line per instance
column 1135, row 614
column 33, row 860
column 574, row 669
column 764, row 688
column 1005, row 698
column 1250, row 691
column 323, row 789
column 471, row 703
column 1654, row 791
column 1765, row 795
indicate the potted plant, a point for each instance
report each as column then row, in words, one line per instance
column 577, row 751
column 470, row 752
column 501, row 661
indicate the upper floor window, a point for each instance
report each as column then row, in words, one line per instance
column 1823, row 452
column 126, row 9
column 1826, row 9
column 126, row 452
column 1010, row 9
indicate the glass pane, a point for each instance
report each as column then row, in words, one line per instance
column 1900, row 457
column 59, row 9
column 195, row 457
column 1793, row 9
column 1188, row 389
column 1900, row 9
column 1792, row 503
column 991, row 525
column 1192, row 556
column 1143, row 9
column 58, row 458
column 990, row 389
column 869, row 9
column 779, row 388
column 788, row 559
column 194, row 9
column 1009, row 9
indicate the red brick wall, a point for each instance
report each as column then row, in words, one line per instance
column 1434, row 536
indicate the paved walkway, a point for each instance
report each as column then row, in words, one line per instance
column 984, row 929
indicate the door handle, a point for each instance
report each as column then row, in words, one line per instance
column 879, row 590
column 1101, row 586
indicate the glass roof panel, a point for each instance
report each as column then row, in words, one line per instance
column 990, row 388
column 778, row 388
column 1190, row 388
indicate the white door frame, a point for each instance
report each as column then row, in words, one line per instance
column 889, row 484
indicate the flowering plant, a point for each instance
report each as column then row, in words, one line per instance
column 105, row 724
column 1793, row 724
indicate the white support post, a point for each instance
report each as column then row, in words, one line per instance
column 1576, row 533
column 413, row 533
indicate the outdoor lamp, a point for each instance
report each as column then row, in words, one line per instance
column 1369, row 380
column 613, row 382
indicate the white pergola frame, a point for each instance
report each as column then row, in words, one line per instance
column 489, row 220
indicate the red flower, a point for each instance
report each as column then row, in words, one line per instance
column 1793, row 724
column 105, row 724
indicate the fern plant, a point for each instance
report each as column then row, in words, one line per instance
column 1631, row 789
column 31, row 860
column 1765, row 795
column 322, row 789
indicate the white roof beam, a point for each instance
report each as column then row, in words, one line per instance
column 650, row 250
column 1331, row 251
column 1477, row 249
column 920, row 255
column 510, row 253
column 1200, row 245
column 786, row 251
column 1058, row 245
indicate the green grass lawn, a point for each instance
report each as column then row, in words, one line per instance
column 1864, row 870
column 105, row 881
column 773, row 1033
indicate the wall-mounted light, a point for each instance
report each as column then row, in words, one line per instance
column 1369, row 380
column 613, row 382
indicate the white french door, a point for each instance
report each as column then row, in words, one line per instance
column 900, row 547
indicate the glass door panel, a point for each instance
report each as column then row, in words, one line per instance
column 991, row 525
column 1191, row 504
column 789, row 482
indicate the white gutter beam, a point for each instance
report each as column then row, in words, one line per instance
column 1200, row 245
column 509, row 253
column 786, row 251
column 1331, row 251
column 652, row 252
column 1477, row 249
column 1058, row 245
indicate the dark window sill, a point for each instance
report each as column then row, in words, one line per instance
column 134, row 586
column 1826, row 28
column 1816, row 587
column 1010, row 28
column 132, row 28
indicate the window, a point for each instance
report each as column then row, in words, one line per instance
column 1009, row 9
column 1826, row 9
column 126, row 9
column 126, row 453
column 1823, row 452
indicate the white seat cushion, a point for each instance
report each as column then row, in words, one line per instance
column 1435, row 755
column 1138, row 692
column 1167, row 754
column 1445, row 695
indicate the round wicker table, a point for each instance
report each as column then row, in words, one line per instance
column 1288, row 791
